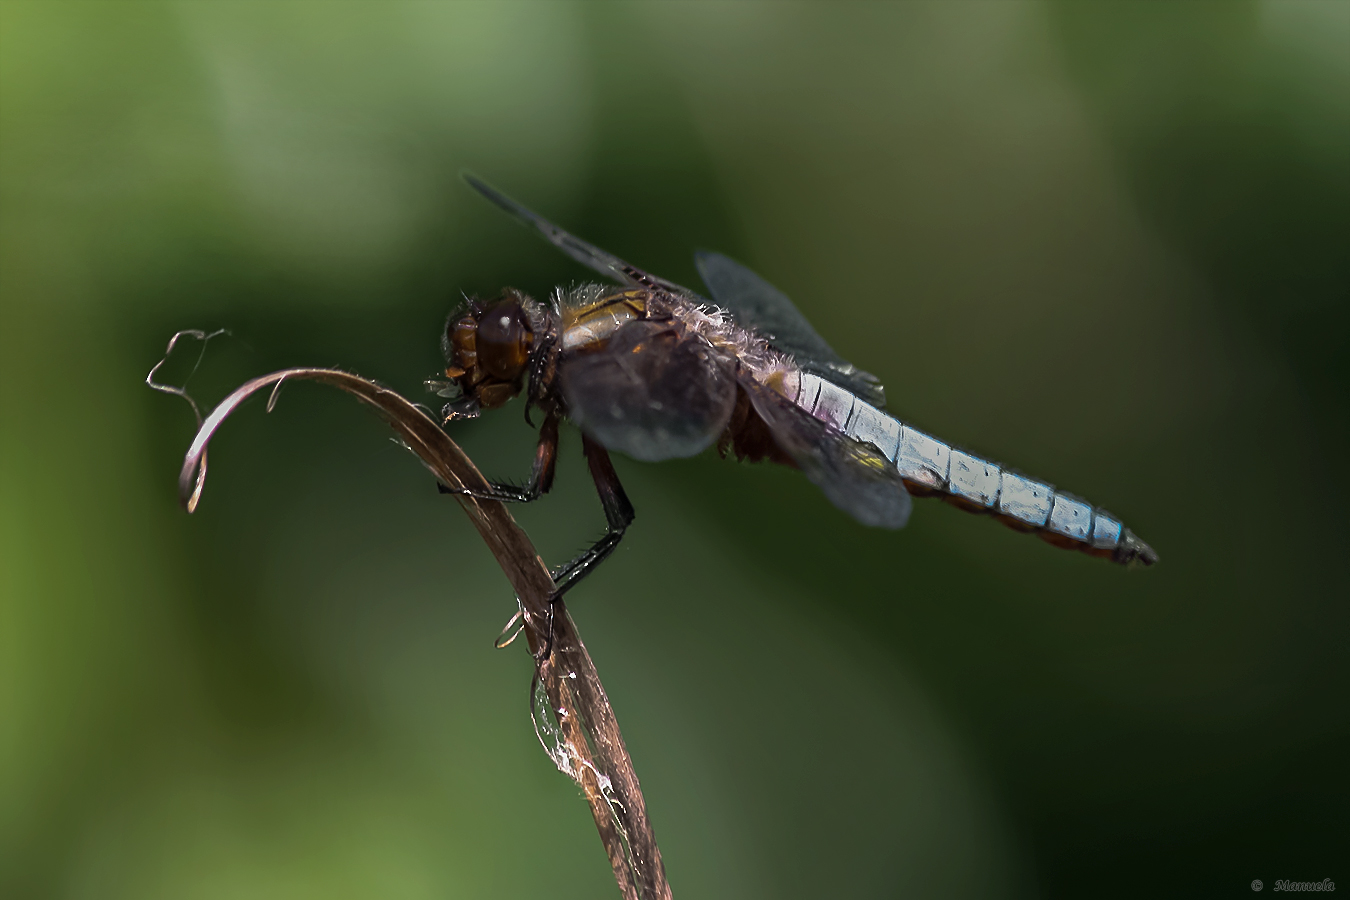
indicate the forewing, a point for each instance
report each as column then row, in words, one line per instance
column 854, row 476
column 759, row 305
column 587, row 254
column 650, row 392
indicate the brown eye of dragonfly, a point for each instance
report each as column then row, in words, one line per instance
column 503, row 341
column 461, row 344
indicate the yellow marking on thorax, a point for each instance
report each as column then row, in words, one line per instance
column 595, row 322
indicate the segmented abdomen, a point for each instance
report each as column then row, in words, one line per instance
column 931, row 467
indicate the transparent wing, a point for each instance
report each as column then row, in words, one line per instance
column 759, row 305
column 588, row 255
column 854, row 476
column 650, row 393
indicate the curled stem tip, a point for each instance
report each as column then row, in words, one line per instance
column 190, row 501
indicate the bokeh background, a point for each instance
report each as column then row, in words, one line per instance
column 1103, row 243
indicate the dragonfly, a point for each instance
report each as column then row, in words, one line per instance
column 656, row 371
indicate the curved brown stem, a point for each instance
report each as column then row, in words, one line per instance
column 587, row 743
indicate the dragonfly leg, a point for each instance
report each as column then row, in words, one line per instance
column 541, row 478
column 618, row 516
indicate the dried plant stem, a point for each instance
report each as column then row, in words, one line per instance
column 588, row 744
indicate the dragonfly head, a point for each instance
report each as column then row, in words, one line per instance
column 487, row 346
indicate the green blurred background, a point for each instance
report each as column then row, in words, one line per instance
column 1105, row 244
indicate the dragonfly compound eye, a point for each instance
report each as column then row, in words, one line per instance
column 503, row 341
column 460, row 343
